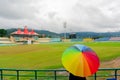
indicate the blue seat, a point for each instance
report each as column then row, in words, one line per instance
column 76, row 40
column 55, row 40
column 111, row 79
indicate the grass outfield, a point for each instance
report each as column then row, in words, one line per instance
column 48, row 55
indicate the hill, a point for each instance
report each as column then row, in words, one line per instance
column 92, row 34
column 78, row 34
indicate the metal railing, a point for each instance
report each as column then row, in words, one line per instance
column 54, row 74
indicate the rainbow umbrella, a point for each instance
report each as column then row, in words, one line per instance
column 80, row 60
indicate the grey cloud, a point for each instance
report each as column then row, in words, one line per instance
column 16, row 9
column 80, row 15
column 52, row 15
column 103, row 15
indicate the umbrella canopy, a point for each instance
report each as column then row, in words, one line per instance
column 80, row 60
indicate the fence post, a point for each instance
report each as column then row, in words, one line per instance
column 55, row 74
column 116, row 74
column 1, row 74
column 17, row 74
column 35, row 75
column 95, row 75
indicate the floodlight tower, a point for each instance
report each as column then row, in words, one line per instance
column 65, row 26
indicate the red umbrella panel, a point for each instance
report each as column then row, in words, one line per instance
column 80, row 60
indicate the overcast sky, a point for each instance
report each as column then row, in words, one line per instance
column 79, row 15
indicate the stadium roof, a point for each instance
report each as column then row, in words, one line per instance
column 25, row 32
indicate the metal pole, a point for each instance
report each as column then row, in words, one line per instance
column 65, row 29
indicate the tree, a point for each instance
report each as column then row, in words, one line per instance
column 3, row 32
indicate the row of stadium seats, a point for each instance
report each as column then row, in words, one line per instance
column 76, row 40
column 114, row 39
column 72, row 40
column 20, row 39
column 84, row 39
column 55, row 40
column 5, row 40
column 108, row 39
column 103, row 39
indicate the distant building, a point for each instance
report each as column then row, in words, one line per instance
column 25, row 35
column 72, row 35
